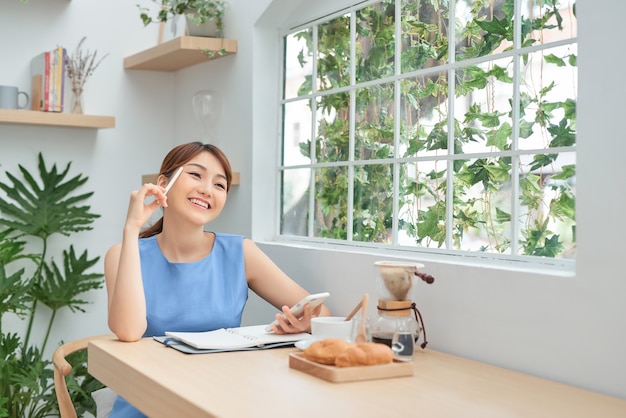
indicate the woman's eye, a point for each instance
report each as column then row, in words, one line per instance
column 195, row 174
column 221, row 186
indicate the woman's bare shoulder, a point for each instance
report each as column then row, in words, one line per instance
column 114, row 250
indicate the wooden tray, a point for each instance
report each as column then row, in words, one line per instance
column 349, row 374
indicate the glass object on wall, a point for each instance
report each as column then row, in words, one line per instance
column 206, row 107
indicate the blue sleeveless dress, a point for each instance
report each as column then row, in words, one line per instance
column 201, row 296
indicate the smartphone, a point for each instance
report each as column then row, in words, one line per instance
column 297, row 309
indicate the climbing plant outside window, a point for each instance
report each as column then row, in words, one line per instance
column 436, row 126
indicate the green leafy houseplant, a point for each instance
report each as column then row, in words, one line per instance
column 197, row 11
column 31, row 212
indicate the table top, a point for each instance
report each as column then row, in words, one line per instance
column 163, row 382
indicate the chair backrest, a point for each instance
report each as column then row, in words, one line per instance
column 62, row 369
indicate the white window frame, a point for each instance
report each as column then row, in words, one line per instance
column 328, row 10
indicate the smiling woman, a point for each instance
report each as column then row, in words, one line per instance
column 174, row 275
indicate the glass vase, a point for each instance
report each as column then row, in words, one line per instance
column 77, row 100
column 206, row 107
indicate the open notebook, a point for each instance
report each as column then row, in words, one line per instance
column 231, row 339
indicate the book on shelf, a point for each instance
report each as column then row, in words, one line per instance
column 38, row 71
column 252, row 337
column 48, row 80
column 58, row 77
column 62, row 52
column 52, row 81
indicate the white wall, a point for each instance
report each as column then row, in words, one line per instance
column 565, row 328
column 569, row 329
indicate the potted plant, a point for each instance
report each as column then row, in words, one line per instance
column 204, row 17
column 33, row 284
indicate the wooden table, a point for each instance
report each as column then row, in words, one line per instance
column 163, row 382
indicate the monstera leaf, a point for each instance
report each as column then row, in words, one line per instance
column 61, row 289
column 46, row 209
column 14, row 295
column 11, row 248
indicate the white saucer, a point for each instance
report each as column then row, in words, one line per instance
column 303, row 344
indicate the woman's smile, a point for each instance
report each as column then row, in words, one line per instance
column 198, row 202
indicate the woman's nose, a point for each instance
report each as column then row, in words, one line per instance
column 205, row 188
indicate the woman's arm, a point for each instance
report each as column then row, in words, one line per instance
column 122, row 269
column 127, row 302
column 267, row 280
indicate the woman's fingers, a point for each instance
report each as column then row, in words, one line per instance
column 144, row 202
column 290, row 324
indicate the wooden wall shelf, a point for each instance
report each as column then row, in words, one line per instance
column 152, row 178
column 71, row 120
column 180, row 52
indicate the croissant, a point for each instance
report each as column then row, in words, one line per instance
column 325, row 351
column 365, row 354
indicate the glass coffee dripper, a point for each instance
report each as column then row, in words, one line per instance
column 396, row 310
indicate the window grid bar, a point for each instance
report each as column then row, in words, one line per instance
column 458, row 255
column 352, row 128
column 452, row 157
column 395, row 216
column 280, row 153
column 311, row 220
column 451, row 97
column 515, row 160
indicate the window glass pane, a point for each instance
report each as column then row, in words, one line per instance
column 424, row 34
column 375, row 41
column 424, row 130
column 296, row 133
column 483, row 107
column 333, row 57
column 482, row 205
column 374, row 122
column 547, row 21
column 483, row 28
column 298, row 64
column 422, row 214
column 487, row 27
column 331, row 202
column 295, row 202
column 373, row 203
column 333, row 128
column 548, row 205
column 548, row 98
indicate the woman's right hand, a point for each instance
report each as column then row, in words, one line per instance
column 138, row 210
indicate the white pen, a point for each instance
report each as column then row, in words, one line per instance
column 173, row 180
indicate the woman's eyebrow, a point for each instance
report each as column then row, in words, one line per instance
column 197, row 165
column 200, row 166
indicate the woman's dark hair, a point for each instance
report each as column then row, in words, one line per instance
column 178, row 157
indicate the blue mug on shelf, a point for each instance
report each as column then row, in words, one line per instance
column 9, row 98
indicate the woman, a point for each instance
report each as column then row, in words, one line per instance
column 176, row 276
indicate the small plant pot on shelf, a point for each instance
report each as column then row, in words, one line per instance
column 203, row 17
column 207, row 29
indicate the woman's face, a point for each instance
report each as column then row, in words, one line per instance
column 200, row 191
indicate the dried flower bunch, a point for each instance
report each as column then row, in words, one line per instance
column 81, row 65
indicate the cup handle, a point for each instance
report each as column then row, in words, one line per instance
column 26, row 97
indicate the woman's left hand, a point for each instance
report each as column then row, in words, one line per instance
column 289, row 324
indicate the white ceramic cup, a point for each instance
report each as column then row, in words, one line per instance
column 9, row 96
column 331, row 327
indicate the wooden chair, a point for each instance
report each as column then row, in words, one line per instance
column 62, row 369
